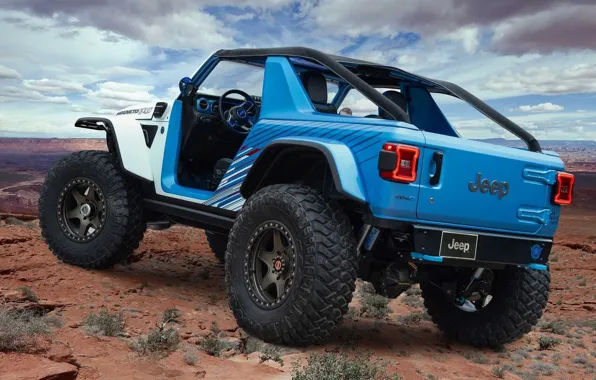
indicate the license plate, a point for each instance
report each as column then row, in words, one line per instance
column 458, row 246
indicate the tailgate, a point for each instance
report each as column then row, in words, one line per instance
column 487, row 186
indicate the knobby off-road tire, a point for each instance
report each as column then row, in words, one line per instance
column 519, row 298
column 122, row 227
column 218, row 244
column 322, row 242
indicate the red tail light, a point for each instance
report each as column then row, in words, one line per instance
column 398, row 162
column 563, row 189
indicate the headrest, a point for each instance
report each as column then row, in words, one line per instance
column 315, row 85
column 397, row 98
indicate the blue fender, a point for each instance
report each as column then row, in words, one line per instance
column 340, row 158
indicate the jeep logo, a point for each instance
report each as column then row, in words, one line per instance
column 495, row 187
column 464, row 247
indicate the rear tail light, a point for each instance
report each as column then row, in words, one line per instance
column 398, row 162
column 563, row 189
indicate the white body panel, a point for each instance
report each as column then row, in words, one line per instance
column 131, row 145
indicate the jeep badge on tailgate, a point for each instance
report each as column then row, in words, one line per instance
column 495, row 187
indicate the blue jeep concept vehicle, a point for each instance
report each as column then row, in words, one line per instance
column 299, row 200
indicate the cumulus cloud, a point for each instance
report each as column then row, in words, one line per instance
column 561, row 28
column 578, row 78
column 113, row 96
column 8, row 73
column 53, row 86
column 427, row 17
column 15, row 93
column 542, row 107
column 166, row 23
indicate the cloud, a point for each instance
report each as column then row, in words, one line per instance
column 559, row 29
column 21, row 94
column 8, row 73
column 579, row 78
column 53, row 86
column 181, row 24
column 113, row 96
column 427, row 17
column 542, row 107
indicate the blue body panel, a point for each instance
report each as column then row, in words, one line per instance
column 353, row 145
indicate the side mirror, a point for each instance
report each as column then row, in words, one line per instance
column 185, row 86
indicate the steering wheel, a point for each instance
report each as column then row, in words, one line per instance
column 237, row 118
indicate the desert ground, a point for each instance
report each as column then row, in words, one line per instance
column 163, row 314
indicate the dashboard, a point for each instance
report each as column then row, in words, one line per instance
column 208, row 105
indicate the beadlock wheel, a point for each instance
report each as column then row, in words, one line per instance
column 270, row 264
column 81, row 209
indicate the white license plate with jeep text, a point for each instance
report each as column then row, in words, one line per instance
column 458, row 246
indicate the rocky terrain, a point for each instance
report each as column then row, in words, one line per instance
column 163, row 314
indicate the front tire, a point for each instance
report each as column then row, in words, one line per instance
column 90, row 213
column 519, row 298
column 296, row 287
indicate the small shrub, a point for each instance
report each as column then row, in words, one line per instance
column 214, row 346
column 413, row 301
column 190, row 358
column 415, row 317
column 271, row 353
column 171, row 315
column 547, row 342
column 331, row 366
column 353, row 314
column 213, row 299
column 476, row 357
column 104, row 323
column 554, row 258
column 367, row 288
column 29, row 294
column 583, row 282
column 158, row 340
column 543, row 368
column 54, row 320
column 556, row 357
column 499, row 371
column 14, row 221
column 20, row 329
column 581, row 359
column 555, row 327
column 374, row 306
column 214, row 328
column 414, row 291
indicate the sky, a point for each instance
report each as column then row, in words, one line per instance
column 533, row 60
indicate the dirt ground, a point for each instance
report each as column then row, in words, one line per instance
column 175, row 269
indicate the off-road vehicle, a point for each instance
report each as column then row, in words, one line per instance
column 299, row 200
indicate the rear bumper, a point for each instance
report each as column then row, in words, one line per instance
column 489, row 248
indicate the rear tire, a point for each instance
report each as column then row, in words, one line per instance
column 218, row 244
column 317, row 267
column 519, row 298
column 115, row 206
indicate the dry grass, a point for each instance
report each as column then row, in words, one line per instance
column 19, row 330
column 374, row 306
column 341, row 366
column 104, row 323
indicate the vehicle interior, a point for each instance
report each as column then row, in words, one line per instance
column 215, row 126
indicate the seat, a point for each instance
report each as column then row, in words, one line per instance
column 315, row 85
column 397, row 98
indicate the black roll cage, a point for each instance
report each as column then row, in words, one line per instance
column 338, row 65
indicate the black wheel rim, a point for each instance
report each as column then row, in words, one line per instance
column 81, row 210
column 270, row 264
